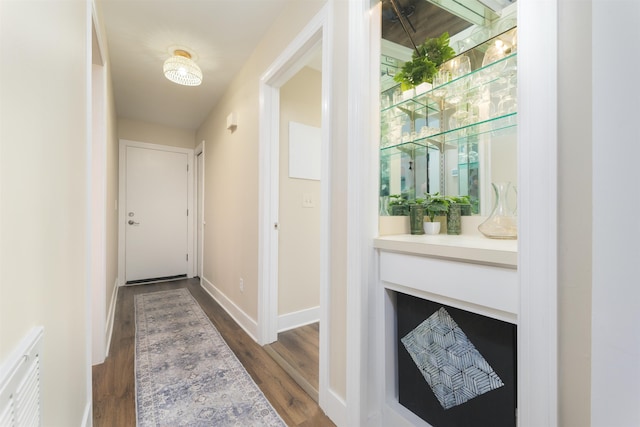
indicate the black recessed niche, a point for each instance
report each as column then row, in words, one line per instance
column 455, row 368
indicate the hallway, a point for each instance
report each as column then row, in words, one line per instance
column 114, row 385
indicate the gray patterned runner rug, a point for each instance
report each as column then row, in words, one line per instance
column 186, row 374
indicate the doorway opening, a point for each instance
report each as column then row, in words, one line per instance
column 299, row 207
column 310, row 43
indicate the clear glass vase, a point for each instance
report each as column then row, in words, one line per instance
column 502, row 223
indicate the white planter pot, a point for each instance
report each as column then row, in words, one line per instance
column 423, row 88
column 431, row 227
column 408, row 94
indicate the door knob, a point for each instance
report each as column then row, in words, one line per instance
column 132, row 222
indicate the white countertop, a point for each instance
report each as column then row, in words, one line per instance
column 468, row 248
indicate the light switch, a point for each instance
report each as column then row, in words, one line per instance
column 307, row 200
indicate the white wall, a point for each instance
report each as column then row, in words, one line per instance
column 43, row 195
column 153, row 133
column 298, row 226
column 598, row 296
column 615, row 341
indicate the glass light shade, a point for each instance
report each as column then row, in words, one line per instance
column 181, row 69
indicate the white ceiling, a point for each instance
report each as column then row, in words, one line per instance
column 141, row 34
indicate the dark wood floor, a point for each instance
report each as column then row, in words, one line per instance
column 297, row 352
column 114, row 385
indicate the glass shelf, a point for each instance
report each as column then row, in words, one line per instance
column 425, row 138
column 469, row 165
column 429, row 118
column 496, row 72
column 451, row 137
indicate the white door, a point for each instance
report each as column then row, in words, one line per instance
column 156, row 215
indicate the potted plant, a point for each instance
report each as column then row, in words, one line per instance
column 398, row 205
column 435, row 205
column 425, row 62
column 464, row 202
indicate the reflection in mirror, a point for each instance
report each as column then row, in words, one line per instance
column 456, row 133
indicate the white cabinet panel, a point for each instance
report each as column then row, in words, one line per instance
column 487, row 290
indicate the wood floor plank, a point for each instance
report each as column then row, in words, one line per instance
column 299, row 348
column 114, row 382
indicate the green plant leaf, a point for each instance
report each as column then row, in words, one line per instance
column 425, row 62
column 437, row 50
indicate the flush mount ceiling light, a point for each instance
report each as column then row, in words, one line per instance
column 181, row 69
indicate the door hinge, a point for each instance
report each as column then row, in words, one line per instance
column 187, row 257
column 187, row 212
column 187, row 167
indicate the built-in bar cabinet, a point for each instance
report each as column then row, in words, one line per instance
column 448, row 304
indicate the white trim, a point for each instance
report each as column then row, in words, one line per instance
column 268, row 215
column 124, row 143
column 455, row 281
column 361, row 207
column 96, row 22
column 200, row 187
column 335, row 408
column 97, row 219
column 111, row 317
column 377, row 368
column 325, row 396
column 318, row 30
column 240, row 317
column 96, row 194
column 299, row 318
column 537, row 209
column 87, row 416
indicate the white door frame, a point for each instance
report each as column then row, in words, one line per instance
column 362, row 205
column 537, row 212
column 122, row 197
column 199, row 215
column 98, row 193
column 292, row 59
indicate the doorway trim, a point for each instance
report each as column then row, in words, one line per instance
column 122, row 197
column 97, row 197
column 199, row 210
column 290, row 61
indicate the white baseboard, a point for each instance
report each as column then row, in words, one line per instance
column 249, row 325
column 87, row 417
column 298, row 318
column 335, row 408
column 111, row 317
